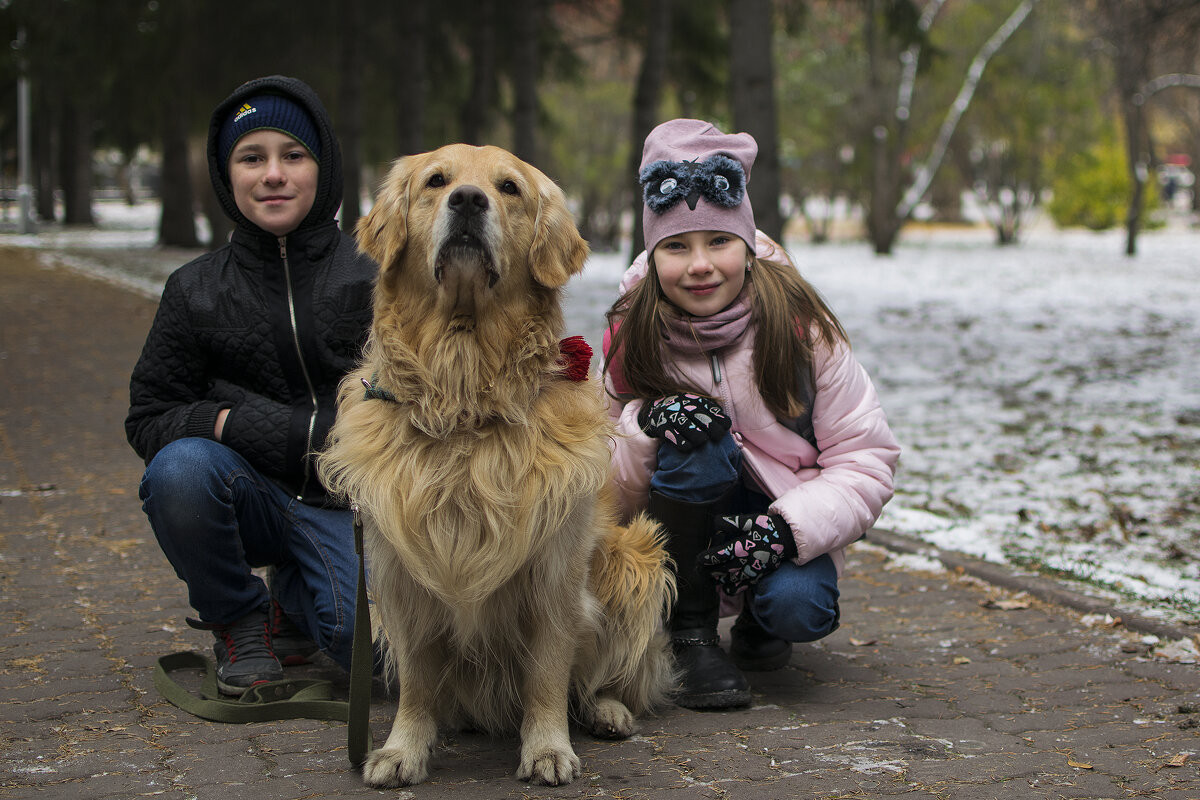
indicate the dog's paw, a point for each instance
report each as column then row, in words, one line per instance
column 550, row 766
column 390, row 768
column 612, row 720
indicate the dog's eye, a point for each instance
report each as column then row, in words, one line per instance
column 509, row 187
column 436, row 180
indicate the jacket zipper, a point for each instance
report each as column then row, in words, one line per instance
column 718, row 383
column 312, row 393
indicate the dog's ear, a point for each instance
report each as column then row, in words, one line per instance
column 383, row 232
column 558, row 251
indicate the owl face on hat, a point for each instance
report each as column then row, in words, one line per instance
column 718, row 179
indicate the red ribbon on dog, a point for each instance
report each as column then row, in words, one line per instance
column 575, row 358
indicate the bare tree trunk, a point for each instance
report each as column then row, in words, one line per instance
column 752, row 86
column 882, row 227
column 1135, row 29
column 414, row 77
column 76, row 164
column 528, row 17
column 1129, row 34
column 482, row 97
column 177, row 226
column 44, row 135
column 350, row 108
column 649, row 91
column 1137, row 154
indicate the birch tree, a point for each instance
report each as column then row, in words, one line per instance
column 892, row 204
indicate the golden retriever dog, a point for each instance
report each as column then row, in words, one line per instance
column 508, row 599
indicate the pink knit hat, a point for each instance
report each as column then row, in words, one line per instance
column 694, row 178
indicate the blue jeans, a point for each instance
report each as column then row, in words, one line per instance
column 216, row 518
column 798, row 603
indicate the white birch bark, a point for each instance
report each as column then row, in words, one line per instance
column 926, row 170
column 909, row 58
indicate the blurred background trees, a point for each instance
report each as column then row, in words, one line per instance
column 870, row 114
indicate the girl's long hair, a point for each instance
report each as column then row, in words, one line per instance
column 788, row 313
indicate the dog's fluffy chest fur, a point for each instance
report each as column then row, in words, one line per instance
column 482, row 500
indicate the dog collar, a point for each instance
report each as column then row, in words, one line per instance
column 373, row 392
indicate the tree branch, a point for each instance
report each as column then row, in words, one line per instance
column 1150, row 88
column 909, row 59
column 926, row 171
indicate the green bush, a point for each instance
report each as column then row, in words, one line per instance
column 1092, row 190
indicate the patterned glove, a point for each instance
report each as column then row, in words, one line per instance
column 754, row 544
column 684, row 420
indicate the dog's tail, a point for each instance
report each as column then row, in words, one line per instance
column 633, row 584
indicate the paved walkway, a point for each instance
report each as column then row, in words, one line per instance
column 938, row 685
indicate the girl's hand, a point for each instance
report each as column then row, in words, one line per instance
column 755, row 544
column 684, row 420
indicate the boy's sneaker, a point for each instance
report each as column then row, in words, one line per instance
column 243, row 651
column 290, row 644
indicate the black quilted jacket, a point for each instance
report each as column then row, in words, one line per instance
column 264, row 326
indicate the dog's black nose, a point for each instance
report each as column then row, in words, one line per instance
column 468, row 200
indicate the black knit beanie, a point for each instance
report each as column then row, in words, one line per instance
column 273, row 112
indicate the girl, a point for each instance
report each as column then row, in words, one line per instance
column 747, row 428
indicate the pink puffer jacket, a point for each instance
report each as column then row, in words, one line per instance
column 830, row 495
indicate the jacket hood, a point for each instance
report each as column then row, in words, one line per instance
column 329, row 179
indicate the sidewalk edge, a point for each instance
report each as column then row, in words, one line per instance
column 1043, row 588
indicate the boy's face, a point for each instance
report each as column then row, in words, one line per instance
column 274, row 180
column 701, row 272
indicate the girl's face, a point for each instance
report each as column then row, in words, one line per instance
column 701, row 272
column 274, row 180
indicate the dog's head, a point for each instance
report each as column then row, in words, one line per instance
column 468, row 223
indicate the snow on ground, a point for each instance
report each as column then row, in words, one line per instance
column 1046, row 396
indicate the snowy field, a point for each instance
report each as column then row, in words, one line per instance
column 1047, row 396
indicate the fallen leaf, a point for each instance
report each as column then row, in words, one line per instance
column 1078, row 764
column 862, row 642
column 1177, row 760
column 1006, row 605
column 961, row 660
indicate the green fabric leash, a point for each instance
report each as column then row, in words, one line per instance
column 362, row 660
column 287, row 699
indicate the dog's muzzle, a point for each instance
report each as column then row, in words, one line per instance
column 465, row 243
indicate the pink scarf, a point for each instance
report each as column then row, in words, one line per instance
column 689, row 334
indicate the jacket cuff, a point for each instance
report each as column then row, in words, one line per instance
column 202, row 422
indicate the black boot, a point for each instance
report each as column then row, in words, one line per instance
column 755, row 650
column 708, row 679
